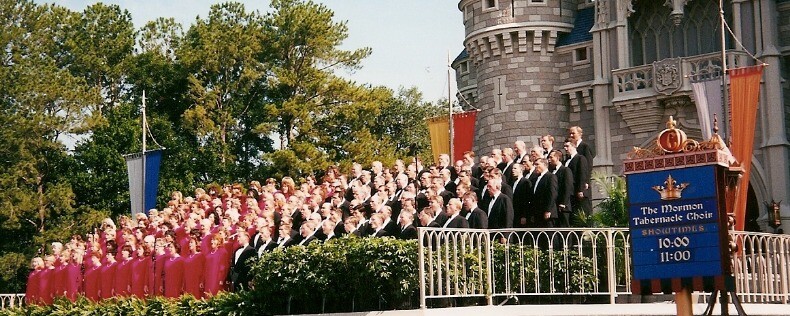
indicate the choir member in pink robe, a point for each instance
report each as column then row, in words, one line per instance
column 33, row 281
column 123, row 273
column 193, row 270
column 140, row 272
column 215, row 269
column 174, row 272
column 73, row 276
column 158, row 264
column 108, row 276
column 58, row 278
column 45, row 281
column 93, row 277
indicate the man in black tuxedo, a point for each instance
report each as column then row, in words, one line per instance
column 547, row 143
column 427, row 218
column 475, row 168
column 239, row 272
column 454, row 211
column 407, row 229
column 476, row 217
column 581, row 175
column 522, row 194
column 438, row 189
column 261, row 224
column 507, row 159
column 287, row 237
column 500, row 207
column 544, row 201
column 267, row 244
column 575, row 134
column 564, row 187
column 522, row 154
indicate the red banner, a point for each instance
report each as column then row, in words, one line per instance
column 744, row 97
column 463, row 134
column 464, row 126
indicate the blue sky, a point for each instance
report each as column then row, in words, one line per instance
column 410, row 38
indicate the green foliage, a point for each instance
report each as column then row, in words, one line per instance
column 358, row 273
column 611, row 211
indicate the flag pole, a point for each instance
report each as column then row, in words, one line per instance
column 450, row 106
column 725, row 106
column 144, row 131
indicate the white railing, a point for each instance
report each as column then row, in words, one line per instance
column 573, row 262
column 12, row 300
column 523, row 262
column 761, row 268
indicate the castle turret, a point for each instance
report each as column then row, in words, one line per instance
column 510, row 63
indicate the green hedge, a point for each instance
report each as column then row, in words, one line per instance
column 343, row 275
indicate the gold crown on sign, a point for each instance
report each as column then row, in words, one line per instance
column 670, row 190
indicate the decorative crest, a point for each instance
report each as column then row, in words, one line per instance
column 670, row 190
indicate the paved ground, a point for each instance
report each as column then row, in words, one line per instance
column 651, row 309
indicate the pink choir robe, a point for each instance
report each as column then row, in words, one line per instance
column 193, row 272
column 32, row 289
column 45, row 284
column 140, row 276
column 73, row 281
column 215, row 270
column 123, row 278
column 58, row 281
column 93, row 282
column 174, row 277
column 156, row 283
column 108, row 280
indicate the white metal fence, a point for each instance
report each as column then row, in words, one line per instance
column 761, row 268
column 11, row 300
column 573, row 262
column 494, row 264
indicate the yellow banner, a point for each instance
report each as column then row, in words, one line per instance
column 439, row 127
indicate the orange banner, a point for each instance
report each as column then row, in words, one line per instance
column 744, row 97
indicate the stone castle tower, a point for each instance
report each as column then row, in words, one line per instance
column 510, row 68
column 619, row 69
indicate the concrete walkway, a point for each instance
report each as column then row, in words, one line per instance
column 651, row 309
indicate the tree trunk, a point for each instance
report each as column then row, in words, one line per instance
column 41, row 207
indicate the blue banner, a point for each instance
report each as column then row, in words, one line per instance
column 152, row 161
column 142, row 194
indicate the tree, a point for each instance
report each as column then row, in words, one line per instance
column 226, row 87
column 41, row 102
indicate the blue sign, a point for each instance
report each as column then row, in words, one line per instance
column 674, row 221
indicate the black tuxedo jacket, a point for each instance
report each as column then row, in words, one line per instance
column 441, row 218
column 308, row 240
column 446, row 196
column 478, row 219
column 522, row 197
column 580, row 171
column 392, row 228
column 545, row 197
column 457, row 222
column 564, row 187
column 501, row 213
column 477, row 171
column 507, row 174
column 266, row 247
column 239, row 272
column 584, row 149
column 408, row 232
